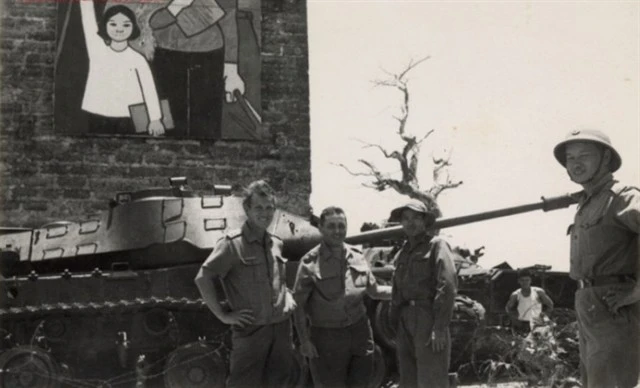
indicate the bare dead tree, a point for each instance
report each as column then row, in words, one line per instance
column 407, row 157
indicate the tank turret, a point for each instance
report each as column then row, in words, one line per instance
column 154, row 228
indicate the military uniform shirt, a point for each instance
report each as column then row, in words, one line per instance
column 604, row 236
column 331, row 289
column 426, row 274
column 252, row 272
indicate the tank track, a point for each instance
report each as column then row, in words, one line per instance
column 97, row 308
column 146, row 373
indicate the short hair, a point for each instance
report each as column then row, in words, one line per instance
column 260, row 188
column 329, row 211
column 111, row 12
column 524, row 273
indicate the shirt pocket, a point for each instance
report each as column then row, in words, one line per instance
column 421, row 266
column 254, row 269
column 593, row 236
column 330, row 287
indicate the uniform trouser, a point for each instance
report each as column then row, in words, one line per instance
column 419, row 365
column 521, row 327
column 262, row 356
column 609, row 344
column 345, row 355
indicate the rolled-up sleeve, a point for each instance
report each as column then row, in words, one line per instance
column 199, row 16
column 161, row 19
column 303, row 285
column 220, row 261
column 627, row 209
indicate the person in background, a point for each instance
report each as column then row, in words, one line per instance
column 527, row 303
column 331, row 319
column 604, row 261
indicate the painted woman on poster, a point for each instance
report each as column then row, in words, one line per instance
column 119, row 76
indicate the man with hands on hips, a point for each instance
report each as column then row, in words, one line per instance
column 249, row 264
column 604, row 261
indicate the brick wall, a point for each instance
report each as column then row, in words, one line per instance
column 46, row 176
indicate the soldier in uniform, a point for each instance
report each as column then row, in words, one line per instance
column 251, row 268
column 604, row 261
column 331, row 282
column 424, row 288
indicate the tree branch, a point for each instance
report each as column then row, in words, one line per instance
column 408, row 156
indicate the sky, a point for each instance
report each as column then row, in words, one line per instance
column 504, row 82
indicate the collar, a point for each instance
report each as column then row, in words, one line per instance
column 605, row 182
column 253, row 235
column 424, row 239
column 327, row 253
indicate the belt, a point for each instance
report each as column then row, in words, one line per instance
column 417, row 302
column 605, row 280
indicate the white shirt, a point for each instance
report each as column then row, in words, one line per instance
column 116, row 79
column 529, row 307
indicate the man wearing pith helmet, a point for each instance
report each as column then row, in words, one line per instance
column 424, row 288
column 604, row 261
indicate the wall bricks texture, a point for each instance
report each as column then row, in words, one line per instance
column 46, row 176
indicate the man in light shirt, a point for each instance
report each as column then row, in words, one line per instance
column 527, row 303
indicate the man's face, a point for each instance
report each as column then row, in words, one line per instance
column 334, row 229
column 260, row 211
column 119, row 27
column 525, row 282
column 413, row 223
column 583, row 161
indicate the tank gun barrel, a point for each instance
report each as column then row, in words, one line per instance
column 395, row 232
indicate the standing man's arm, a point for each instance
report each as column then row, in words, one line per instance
column 301, row 292
column 627, row 213
column 547, row 303
column 512, row 306
column 376, row 290
column 218, row 264
column 446, row 289
column 393, row 314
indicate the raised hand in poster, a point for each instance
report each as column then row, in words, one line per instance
column 119, row 77
column 197, row 53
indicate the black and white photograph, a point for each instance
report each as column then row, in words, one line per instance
column 319, row 193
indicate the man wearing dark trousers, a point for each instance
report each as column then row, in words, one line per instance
column 331, row 319
column 527, row 304
column 251, row 268
column 424, row 289
column 604, row 261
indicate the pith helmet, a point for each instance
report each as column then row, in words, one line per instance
column 590, row 135
column 416, row 205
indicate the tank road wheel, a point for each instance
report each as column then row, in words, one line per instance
column 28, row 366
column 379, row 369
column 195, row 365
column 382, row 330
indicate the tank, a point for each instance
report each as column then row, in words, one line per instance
column 109, row 301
